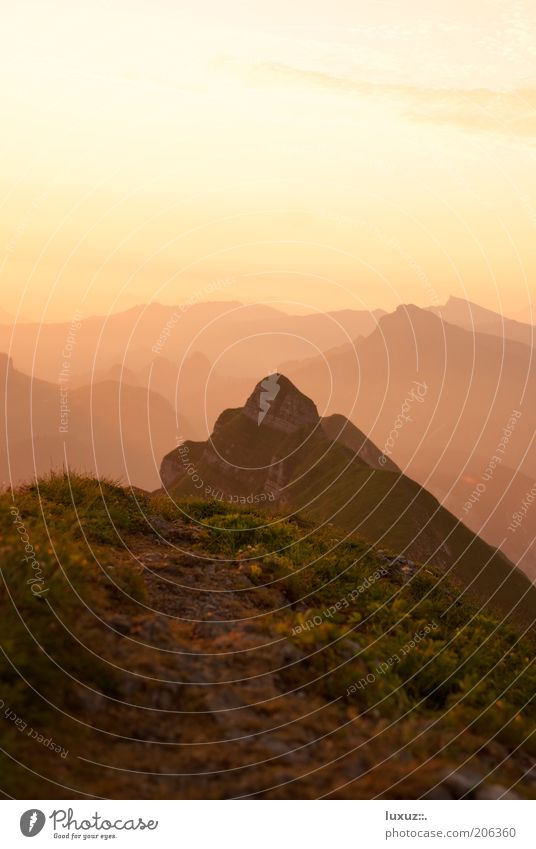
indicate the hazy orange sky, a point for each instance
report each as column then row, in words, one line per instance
column 341, row 154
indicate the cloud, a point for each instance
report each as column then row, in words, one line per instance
column 511, row 112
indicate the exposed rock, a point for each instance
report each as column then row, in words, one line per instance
column 276, row 402
column 160, row 525
column 495, row 791
column 469, row 785
column 275, row 452
column 175, row 531
column 169, row 470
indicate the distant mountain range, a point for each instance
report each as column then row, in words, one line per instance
column 240, row 339
column 473, row 317
column 478, row 404
column 108, row 429
column 276, row 450
column 490, row 508
column 475, row 370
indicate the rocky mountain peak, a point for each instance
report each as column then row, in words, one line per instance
column 277, row 403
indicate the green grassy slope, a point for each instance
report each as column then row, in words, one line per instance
column 390, row 510
column 327, row 685
column 306, row 472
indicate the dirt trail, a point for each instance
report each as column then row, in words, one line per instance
column 212, row 699
column 237, row 674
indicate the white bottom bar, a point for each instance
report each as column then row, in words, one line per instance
column 270, row 824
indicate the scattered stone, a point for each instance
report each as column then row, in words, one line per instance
column 469, row 785
column 495, row 791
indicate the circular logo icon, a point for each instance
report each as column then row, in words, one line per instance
column 31, row 822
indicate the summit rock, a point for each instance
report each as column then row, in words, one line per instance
column 277, row 403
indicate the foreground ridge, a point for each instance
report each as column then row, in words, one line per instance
column 198, row 651
column 293, row 460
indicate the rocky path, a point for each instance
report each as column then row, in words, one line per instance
column 212, row 698
column 235, row 681
column 218, row 702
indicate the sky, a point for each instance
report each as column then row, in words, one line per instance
column 319, row 155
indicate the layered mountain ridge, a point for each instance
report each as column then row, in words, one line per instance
column 476, row 383
column 109, row 429
column 277, row 450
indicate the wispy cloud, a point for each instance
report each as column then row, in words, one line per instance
column 511, row 112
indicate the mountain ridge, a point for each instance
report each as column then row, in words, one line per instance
column 252, row 642
column 309, row 473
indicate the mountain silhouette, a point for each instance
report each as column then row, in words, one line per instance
column 243, row 340
column 108, row 429
column 476, row 318
column 478, row 404
column 289, row 461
